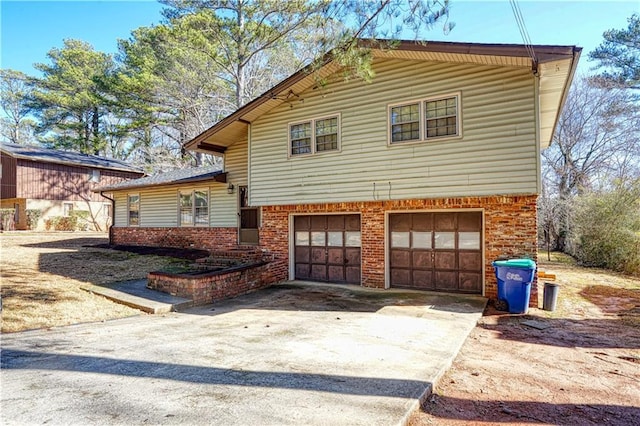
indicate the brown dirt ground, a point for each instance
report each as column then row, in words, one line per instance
column 583, row 369
column 42, row 274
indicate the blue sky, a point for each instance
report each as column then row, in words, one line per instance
column 29, row 29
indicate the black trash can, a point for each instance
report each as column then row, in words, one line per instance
column 550, row 297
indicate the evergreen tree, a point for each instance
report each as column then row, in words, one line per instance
column 68, row 99
column 619, row 54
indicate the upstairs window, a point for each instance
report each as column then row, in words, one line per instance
column 442, row 117
column 405, row 123
column 425, row 119
column 94, row 175
column 314, row 136
column 133, row 206
column 194, row 208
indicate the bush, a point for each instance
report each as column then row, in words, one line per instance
column 7, row 219
column 33, row 216
column 606, row 233
column 82, row 219
column 62, row 223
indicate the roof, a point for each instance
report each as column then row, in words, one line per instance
column 555, row 66
column 175, row 177
column 46, row 155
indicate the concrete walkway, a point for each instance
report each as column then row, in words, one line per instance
column 136, row 294
column 292, row 354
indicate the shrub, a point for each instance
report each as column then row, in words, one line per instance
column 62, row 223
column 33, row 216
column 607, row 229
column 7, row 219
column 82, row 219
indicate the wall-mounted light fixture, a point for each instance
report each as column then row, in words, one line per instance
column 230, row 188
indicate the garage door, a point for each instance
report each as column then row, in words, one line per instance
column 327, row 248
column 436, row 251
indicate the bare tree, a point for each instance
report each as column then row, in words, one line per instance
column 15, row 94
column 597, row 141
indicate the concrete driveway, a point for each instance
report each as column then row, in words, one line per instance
column 296, row 353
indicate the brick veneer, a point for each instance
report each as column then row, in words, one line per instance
column 509, row 225
column 212, row 287
column 187, row 237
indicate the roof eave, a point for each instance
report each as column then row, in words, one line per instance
column 71, row 163
column 545, row 53
column 219, row 177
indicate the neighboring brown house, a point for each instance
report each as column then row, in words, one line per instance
column 58, row 183
column 418, row 180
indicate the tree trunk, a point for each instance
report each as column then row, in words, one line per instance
column 95, row 123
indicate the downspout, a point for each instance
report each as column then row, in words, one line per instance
column 113, row 216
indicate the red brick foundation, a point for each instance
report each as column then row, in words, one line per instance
column 509, row 225
column 192, row 237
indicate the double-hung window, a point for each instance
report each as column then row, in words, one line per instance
column 133, row 206
column 314, row 136
column 425, row 119
column 194, row 208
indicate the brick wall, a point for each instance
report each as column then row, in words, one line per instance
column 187, row 237
column 510, row 230
column 212, row 287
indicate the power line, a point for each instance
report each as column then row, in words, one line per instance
column 522, row 27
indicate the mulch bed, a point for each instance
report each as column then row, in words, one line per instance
column 180, row 253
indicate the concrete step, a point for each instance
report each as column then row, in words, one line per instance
column 136, row 295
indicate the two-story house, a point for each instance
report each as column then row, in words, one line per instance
column 419, row 179
column 58, row 183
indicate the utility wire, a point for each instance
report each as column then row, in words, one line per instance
column 524, row 33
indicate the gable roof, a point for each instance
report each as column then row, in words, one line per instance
column 174, row 177
column 46, row 155
column 555, row 66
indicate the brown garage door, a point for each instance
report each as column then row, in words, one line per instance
column 436, row 251
column 327, row 248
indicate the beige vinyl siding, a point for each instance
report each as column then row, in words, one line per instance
column 159, row 205
column 224, row 206
column 495, row 155
column 120, row 208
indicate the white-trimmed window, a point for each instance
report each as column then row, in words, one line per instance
column 314, row 136
column 425, row 119
column 67, row 209
column 133, row 208
column 107, row 209
column 194, row 207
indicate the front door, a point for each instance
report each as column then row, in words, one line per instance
column 249, row 218
column 327, row 248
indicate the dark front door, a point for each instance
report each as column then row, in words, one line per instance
column 327, row 248
column 249, row 219
column 436, row 251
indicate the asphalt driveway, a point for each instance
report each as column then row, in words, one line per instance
column 296, row 353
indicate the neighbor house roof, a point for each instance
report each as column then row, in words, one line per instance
column 175, row 177
column 46, row 155
column 555, row 67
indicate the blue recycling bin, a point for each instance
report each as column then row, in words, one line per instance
column 514, row 283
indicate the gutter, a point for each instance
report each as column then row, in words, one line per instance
column 567, row 86
column 113, row 216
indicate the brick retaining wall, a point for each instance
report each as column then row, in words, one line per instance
column 214, row 286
